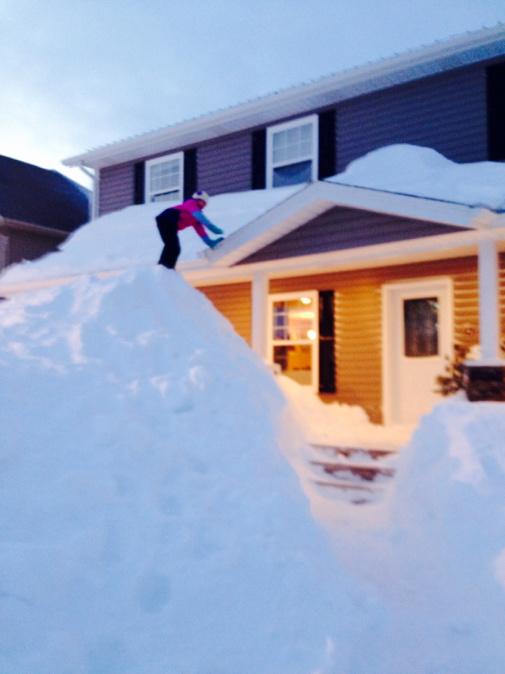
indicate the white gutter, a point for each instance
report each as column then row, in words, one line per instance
column 95, row 178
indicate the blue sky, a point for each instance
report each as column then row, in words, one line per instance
column 77, row 74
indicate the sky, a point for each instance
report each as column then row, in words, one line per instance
column 77, row 74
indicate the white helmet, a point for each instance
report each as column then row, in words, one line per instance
column 200, row 194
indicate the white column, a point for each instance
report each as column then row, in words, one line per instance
column 259, row 313
column 489, row 308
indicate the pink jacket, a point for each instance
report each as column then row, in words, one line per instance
column 187, row 219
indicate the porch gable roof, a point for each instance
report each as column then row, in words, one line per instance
column 319, row 197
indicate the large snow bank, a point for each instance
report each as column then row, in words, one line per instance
column 423, row 172
column 439, row 558
column 129, row 237
column 150, row 523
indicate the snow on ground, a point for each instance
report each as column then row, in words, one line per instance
column 434, row 549
column 150, row 522
column 338, row 424
column 423, row 172
column 129, row 237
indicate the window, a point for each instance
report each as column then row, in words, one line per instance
column 164, row 178
column 292, row 150
column 421, row 327
column 294, row 335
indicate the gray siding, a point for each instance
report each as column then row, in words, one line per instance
column 446, row 112
column 116, row 187
column 343, row 228
column 225, row 165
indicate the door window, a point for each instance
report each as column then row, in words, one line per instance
column 420, row 318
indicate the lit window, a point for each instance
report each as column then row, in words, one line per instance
column 292, row 152
column 293, row 336
column 164, row 178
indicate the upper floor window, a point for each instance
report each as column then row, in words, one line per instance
column 292, row 152
column 164, row 178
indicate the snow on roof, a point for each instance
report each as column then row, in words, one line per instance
column 129, row 237
column 423, row 172
column 455, row 52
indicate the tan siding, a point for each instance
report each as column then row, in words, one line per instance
column 358, row 322
column 234, row 302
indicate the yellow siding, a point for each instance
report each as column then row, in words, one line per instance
column 358, row 318
column 234, row 302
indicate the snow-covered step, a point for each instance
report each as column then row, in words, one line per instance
column 366, row 471
column 373, row 453
column 360, row 475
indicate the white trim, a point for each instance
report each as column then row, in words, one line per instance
column 489, row 304
column 259, row 314
column 313, row 120
column 412, row 288
column 276, row 297
column 175, row 156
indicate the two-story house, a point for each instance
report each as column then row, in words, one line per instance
column 38, row 210
column 358, row 292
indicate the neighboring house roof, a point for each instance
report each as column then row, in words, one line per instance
column 34, row 195
column 459, row 51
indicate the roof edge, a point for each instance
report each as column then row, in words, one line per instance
column 190, row 129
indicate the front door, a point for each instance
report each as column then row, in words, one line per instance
column 418, row 327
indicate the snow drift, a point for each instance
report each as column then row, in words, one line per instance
column 129, row 237
column 436, row 556
column 151, row 524
column 448, row 532
column 424, row 172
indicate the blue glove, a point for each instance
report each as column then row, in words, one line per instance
column 213, row 242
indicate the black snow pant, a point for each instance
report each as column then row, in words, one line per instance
column 167, row 226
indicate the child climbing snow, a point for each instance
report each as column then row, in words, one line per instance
column 175, row 218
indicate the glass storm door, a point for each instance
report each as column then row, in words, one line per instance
column 418, row 339
column 293, row 335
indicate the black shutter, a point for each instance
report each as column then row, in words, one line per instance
column 496, row 112
column 259, row 158
column 190, row 173
column 327, row 144
column 139, row 182
column 327, row 379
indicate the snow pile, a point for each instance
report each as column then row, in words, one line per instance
column 338, row 424
column 423, row 172
column 440, row 560
column 129, row 237
column 150, row 522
